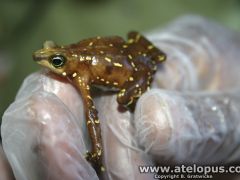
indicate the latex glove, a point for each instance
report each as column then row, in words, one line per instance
column 5, row 170
column 44, row 133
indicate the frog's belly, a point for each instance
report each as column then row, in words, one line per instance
column 106, row 88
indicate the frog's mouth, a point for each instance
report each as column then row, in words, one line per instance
column 41, row 60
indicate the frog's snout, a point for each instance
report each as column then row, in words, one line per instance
column 38, row 56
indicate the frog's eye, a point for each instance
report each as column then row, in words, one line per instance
column 57, row 61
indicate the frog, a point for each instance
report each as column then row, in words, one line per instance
column 126, row 67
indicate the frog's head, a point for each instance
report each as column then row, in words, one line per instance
column 52, row 57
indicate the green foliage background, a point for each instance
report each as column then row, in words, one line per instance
column 24, row 25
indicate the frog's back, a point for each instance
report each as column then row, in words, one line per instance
column 99, row 45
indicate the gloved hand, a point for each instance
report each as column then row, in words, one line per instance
column 195, row 119
column 5, row 170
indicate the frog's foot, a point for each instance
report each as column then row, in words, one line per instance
column 96, row 160
column 127, row 102
column 134, row 88
column 92, row 157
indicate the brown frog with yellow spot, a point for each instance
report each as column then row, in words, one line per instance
column 128, row 67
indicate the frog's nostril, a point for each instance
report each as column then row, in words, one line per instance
column 39, row 55
column 36, row 57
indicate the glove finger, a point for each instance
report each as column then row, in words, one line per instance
column 5, row 170
column 122, row 155
column 189, row 128
column 201, row 55
column 41, row 136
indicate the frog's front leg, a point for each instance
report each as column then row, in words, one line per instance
column 135, row 87
column 92, row 121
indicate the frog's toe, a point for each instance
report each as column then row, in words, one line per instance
column 93, row 157
column 96, row 160
column 90, row 156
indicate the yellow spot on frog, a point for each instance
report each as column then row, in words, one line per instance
column 122, row 92
column 102, row 169
column 88, row 58
column 130, row 41
column 130, row 102
column 64, row 73
column 111, row 45
column 132, row 63
column 129, row 56
column 99, row 152
column 162, row 58
column 91, row 43
column 94, row 155
column 131, row 78
column 115, row 83
column 108, row 59
column 117, row 64
column 81, row 58
column 74, row 75
column 97, row 121
column 89, row 97
column 150, row 47
column 125, row 46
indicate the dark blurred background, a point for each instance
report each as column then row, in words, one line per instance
column 25, row 25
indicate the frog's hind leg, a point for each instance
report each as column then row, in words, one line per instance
column 93, row 125
column 145, row 47
column 134, row 88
